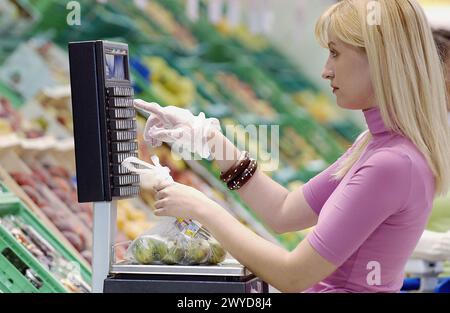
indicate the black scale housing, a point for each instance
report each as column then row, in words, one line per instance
column 104, row 120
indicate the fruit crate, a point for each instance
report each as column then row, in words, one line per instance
column 18, row 266
column 4, row 191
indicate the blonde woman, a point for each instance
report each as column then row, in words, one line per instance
column 371, row 206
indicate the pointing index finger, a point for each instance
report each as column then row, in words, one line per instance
column 151, row 107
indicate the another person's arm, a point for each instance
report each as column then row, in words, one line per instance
column 433, row 246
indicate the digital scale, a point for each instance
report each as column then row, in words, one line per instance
column 105, row 133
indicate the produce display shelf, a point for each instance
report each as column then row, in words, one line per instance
column 16, row 262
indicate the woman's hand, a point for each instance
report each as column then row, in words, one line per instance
column 178, row 126
column 178, row 200
column 165, row 123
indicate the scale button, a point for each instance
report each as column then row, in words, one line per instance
column 125, row 191
column 122, row 113
column 124, row 146
column 119, row 170
column 125, row 179
column 123, row 135
column 119, row 157
column 119, row 91
column 120, row 102
column 122, row 124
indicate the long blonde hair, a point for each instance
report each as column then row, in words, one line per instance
column 406, row 74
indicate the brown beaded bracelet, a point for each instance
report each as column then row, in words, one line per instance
column 237, row 169
column 240, row 181
column 244, row 178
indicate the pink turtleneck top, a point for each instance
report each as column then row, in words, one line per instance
column 370, row 220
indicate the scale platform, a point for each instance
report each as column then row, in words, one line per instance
column 226, row 268
column 227, row 277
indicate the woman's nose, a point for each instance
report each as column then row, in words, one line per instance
column 327, row 74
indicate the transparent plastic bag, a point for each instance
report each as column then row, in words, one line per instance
column 172, row 240
column 166, row 244
column 150, row 174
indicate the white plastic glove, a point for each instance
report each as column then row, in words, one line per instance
column 433, row 246
column 150, row 174
column 188, row 133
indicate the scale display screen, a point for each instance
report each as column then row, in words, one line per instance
column 115, row 67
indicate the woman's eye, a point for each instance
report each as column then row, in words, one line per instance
column 333, row 53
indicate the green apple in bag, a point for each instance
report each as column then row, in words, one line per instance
column 197, row 251
column 149, row 250
column 175, row 251
column 217, row 253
